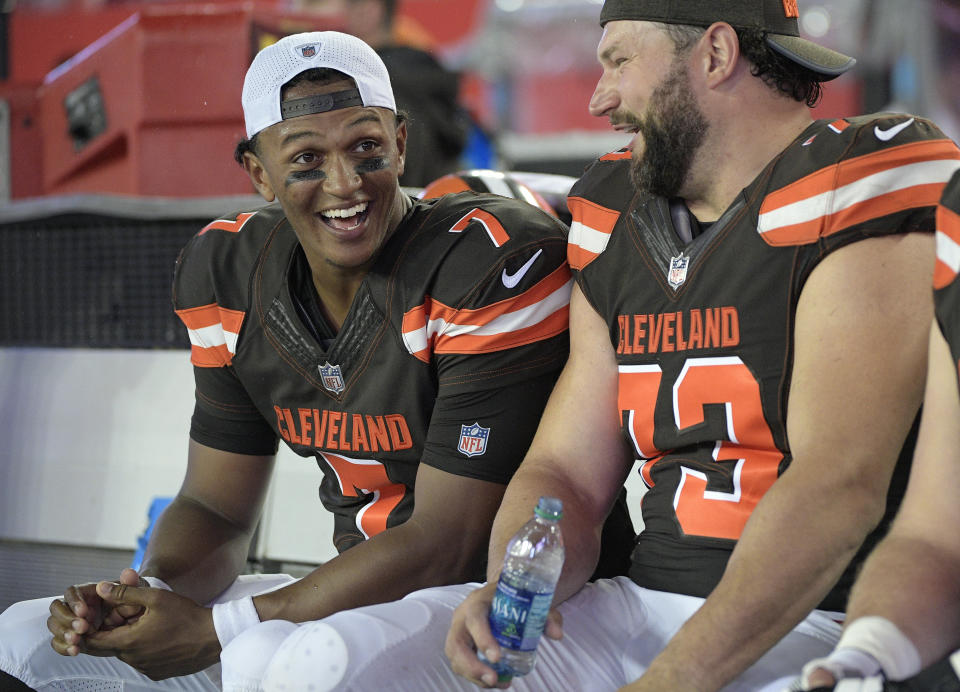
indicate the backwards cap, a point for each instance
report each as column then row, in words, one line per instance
column 280, row 62
column 778, row 18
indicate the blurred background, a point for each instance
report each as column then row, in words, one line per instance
column 118, row 122
column 143, row 98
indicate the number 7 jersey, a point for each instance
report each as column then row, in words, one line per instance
column 449, row 351
column 703, row 330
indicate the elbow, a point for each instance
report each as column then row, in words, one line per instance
column 843, row 512
column 863, row 510
column 873, row 513
column 852, row 498
column 462, row 564
column 443, row 571
column 443, row 559
column 877, row 495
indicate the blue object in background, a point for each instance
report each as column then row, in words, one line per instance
column 156, row 509
column 479, row 151
column 904, row 82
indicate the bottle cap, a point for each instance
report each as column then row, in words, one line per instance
column 549, row 508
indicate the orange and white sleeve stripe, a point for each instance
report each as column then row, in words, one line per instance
column 857, row 190
column 213, row 334
column 948, row 247
column 538, row 313
column 590, row 230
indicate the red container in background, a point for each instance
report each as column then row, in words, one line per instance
column 149, row 102
column 152, row 107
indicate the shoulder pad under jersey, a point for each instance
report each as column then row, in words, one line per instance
column 596, row 202
column 476, row 247
column 482, row 273
column 212, row 281
column 851, row 171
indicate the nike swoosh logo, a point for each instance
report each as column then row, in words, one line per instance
column 887, row 135
column 511, row 280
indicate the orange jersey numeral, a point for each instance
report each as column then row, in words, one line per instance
column 366, row 476
column 495, row 230
column 726, row 381
column 234, row 226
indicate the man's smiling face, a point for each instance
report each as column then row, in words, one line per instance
column 336, row 176
column 645, row 90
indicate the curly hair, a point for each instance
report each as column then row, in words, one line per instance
column 774, row 70
column 778, row 72
column 317, row 75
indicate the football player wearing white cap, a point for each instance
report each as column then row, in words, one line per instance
column 408, row 346
column 749, row 327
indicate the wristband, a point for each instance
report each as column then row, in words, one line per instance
column 883, row 640
column 157, row 583
column 233, row 617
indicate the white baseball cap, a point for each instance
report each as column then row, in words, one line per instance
column 280, row 62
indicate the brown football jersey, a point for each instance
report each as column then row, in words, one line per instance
column 703, row 329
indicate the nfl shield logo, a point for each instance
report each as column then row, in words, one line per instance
column 473, row 439
column 331, row 377
column 308, row 50
column 678, row 270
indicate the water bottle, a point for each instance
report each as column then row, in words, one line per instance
column 529, row 576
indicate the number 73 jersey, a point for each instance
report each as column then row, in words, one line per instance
column 703, row 330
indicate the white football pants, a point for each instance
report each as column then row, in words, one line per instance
column 612, row 629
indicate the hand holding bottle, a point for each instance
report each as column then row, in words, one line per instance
column 499, row 626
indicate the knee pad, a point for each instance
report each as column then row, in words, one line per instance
column 315, row 652
column 245, row 659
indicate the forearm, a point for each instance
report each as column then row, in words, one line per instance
column 912, row 578
column 197, row 552
column 384, row 568
column 795, row 546
column 911, row 564
column 581, row 524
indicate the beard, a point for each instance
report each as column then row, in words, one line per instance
column 673, row 129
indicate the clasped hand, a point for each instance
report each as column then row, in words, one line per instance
column 158, row 632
